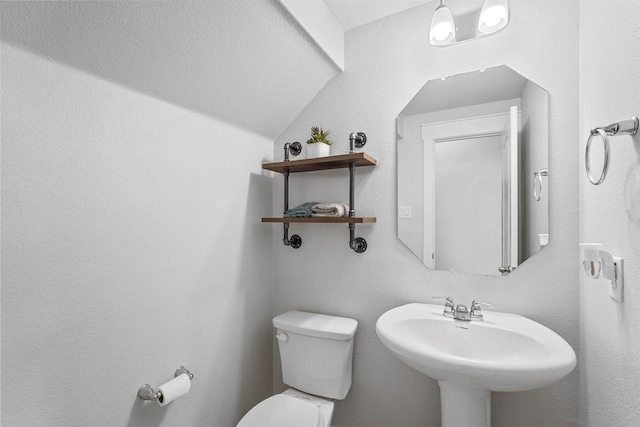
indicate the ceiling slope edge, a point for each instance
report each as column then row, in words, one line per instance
column 317, row 20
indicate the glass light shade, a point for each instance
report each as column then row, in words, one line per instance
column 443, row 29
column 494, row 16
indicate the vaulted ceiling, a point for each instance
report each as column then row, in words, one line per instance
column 243, row 62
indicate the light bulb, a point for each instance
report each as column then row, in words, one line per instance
column 494, row 16
column 443, row 29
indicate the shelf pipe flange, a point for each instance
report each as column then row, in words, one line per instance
column 294, row 148
column 359, row 139
column 358, row 244
column 294, row 241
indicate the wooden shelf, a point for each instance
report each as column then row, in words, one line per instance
column 324, row 220
column 343, row 161
column 322, row 163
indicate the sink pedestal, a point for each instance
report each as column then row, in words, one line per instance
column 464, row 406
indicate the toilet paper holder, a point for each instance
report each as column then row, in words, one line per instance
column 146, row 392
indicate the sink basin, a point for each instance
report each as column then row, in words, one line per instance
column 505, row 352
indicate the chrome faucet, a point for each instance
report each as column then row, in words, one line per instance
column 461, row 312
column 476, row 311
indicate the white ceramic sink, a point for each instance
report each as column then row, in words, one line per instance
column 505, row 352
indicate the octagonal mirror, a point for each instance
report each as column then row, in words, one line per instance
column 473, row 172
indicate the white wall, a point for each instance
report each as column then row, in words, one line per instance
column 131, row 244
column 118, row 213
column 244, row 62
column 411, row 168
column 387, row 62
column 132, row 139
column 610, row 214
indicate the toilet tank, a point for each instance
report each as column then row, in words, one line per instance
column 316, row 352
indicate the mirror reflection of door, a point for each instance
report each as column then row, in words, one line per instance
column 454, row 205
column 464, row 210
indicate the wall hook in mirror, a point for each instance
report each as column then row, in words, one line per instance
column 624, row 127
column 537, row 183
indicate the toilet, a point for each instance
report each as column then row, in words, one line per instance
column 316, row 353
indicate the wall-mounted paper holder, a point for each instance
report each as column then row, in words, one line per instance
column 597, row 262
column 146, row 392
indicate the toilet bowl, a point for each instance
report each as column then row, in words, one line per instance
column 316, row 353
column 292, row 408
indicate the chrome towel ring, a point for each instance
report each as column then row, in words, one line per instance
column 624, row 127
column 605, row 167
column 537, row 182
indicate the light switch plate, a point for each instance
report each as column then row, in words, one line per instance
column 404, row 212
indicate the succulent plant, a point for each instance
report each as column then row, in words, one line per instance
column 319, row 135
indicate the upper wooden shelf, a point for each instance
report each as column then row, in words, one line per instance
column 322, row 163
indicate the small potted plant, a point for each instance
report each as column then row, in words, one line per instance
column 319, row 144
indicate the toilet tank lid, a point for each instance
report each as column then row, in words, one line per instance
column 316, row 325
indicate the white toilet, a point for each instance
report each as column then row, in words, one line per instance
column 316, row 353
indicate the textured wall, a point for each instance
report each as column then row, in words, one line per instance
column 610, row 214
column 387, row 62
column 131, row 238
column 244, row 62
column 131, row 244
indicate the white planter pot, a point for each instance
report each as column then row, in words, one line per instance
column 318, row 149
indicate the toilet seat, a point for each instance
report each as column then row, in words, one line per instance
column 282, row 410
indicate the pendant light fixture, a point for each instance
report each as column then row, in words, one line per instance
column 443, row 29
column 494, row 16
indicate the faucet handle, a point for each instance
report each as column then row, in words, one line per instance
column 476, row 310
column 448, row 305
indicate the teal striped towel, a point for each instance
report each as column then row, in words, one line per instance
column 302, row 211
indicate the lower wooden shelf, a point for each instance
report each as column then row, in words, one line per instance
column 324, row 220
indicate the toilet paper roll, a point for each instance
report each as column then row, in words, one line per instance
column 177, row 387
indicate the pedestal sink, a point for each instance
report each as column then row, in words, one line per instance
column 470, row 359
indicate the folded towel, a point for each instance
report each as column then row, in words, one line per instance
column 330, row 210
column 302, row 211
